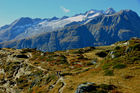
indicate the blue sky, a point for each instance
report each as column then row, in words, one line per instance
column 13, row 9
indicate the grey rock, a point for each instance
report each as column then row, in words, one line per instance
column 86, row 87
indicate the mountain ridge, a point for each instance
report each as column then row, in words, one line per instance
column 28, row 27
column 101, row 30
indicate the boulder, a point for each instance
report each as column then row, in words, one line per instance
column 86, row 87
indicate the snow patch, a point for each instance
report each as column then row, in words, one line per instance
column 97, row 14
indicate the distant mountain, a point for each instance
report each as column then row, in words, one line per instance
column 27, row 27
column 17, row 28
column 92, row 28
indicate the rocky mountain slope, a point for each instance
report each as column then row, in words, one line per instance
column 27, row 27
column 104, row 29
column 104, row 69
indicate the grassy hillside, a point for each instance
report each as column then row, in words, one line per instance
column 32, row 71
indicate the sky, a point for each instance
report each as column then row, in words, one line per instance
column 11, row 10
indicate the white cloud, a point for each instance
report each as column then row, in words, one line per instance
column 65, row 9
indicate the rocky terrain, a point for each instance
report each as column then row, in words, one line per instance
column 105, row 69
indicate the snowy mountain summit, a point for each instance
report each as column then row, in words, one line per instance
column 110, row 11
column 27, row 27
column 92, row 28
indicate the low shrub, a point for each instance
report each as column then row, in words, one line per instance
column 108, row 73
column 100, row 91
column 135, row 47
column 119, row 66
column 106, row 66
column 89, row 63
column 50, row 59
column 107, row 87
column 117, row 47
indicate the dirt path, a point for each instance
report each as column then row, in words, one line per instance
column 38, row 67
column 63, row 85
column 27, row 62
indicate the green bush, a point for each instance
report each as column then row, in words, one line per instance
column 107, row 87
column 117, row 47
column 89, row 64
column 106, row 66
column 101, row 91
column 119, row 66
column 108, row 73
column 50, row 59
column 135, row 47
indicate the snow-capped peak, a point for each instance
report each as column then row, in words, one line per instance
column 79, row 18
column 110, row 11
column 91, row 12
column 28, row 27
column 76, row 18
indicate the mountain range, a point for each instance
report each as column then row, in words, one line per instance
column 92, row 28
